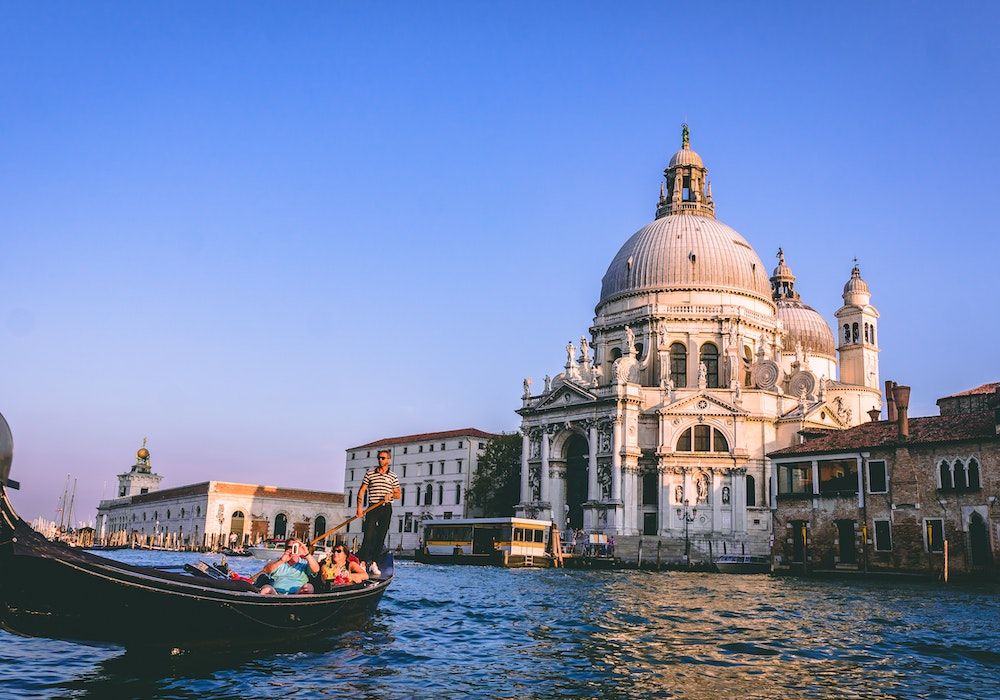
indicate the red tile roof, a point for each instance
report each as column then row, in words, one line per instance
column 984, row 389
column 428, row 437
column 925, row 430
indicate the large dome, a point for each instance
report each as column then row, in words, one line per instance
column 681, row 251
column 803, row 324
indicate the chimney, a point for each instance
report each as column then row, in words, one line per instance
column 890, row 402
column 901, row 397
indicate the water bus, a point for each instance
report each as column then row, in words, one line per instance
column 510, row 542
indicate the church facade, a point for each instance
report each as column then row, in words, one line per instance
column 696, row 365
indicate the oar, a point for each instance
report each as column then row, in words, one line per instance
column 330, row 532
column 346, row 522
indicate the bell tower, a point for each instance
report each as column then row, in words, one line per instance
column 857, row 328
column 686, row 189
column 140, row 478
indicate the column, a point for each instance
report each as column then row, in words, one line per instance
column 593, row 489
column 616, row 460
column 739, row 497
column 717, row 500
column 544, row 483
column 663, row 517
column 815, row 472
column 525, row 474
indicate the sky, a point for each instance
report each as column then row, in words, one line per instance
column 260, row 234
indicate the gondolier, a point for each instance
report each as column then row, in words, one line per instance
column 382, row 486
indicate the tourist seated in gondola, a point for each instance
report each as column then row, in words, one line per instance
column 341, row 568
column 290, row 573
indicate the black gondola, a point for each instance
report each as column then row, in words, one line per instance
column 48, row 589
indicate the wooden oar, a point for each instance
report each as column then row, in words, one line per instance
column 347, row 522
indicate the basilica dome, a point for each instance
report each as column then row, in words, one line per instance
column 803, row 324
column 684, row 251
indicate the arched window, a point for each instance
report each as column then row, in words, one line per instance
column 719, row 442
column 747, row 362
column 678, row 365
column 945, row 471
column 854, row 332
column 402, row 496
column 168, row 514
column 458, row 494
column 156, row 515
column 751, row 491
column 702, row 438
column 440, row 494
column 319, row 526
column 960, row 480
column 638, row 350
column 280, row 525
column 428, row 495
column 710, row 358
column 198, row 511
column 873, row 333
column 182, row 512
column 237, row 523
column 974, row 474
column 684, row 441
column 847, row 333
column 350, row 498
column 866, row 332
column 615, row 354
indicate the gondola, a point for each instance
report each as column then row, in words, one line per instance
column 50, row 590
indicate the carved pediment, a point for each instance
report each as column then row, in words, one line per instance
column 700, row 404
column 568, row 394
column 818, row 415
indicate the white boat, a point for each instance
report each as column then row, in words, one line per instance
column 269, row 551
column 742, row 564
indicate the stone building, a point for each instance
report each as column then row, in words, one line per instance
column 204, row 514
column 886, row 495
column 695, row 366
column 434, row 470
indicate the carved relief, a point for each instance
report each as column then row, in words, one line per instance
column 765, row 374
column 534, row 482
column 803, row 379
column 701, row 485
column 604, row 478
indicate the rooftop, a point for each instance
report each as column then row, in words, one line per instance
column 988, row 388
column 427, row 437
column 923, row 431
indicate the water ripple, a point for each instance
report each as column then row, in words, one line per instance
column 482, row 632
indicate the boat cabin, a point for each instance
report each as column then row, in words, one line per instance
column 505, row 541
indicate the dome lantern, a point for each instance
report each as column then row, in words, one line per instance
column 782, row 280
column 686, row 189
column 802, row 323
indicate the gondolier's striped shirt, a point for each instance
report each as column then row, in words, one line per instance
column 380, row 485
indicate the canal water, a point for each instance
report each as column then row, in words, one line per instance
column 486, row 632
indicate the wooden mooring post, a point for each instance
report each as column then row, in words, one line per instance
column 946, row 561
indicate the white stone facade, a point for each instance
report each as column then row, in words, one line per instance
column 434, row 470
column 696, row 365
column 213, row 512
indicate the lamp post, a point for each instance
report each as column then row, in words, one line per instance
column 689, row 515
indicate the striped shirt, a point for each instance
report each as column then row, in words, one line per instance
column 380, row 485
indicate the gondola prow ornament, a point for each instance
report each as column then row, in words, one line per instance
column 6, row 455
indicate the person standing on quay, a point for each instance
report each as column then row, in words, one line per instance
column 382, row 486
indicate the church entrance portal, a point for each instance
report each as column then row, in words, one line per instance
column 577, row 451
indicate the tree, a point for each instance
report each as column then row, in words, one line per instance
column 496, row 486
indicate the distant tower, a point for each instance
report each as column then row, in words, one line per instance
column 686, row 188
column 857, row 323
column 140, row 479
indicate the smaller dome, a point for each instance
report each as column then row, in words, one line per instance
column 685, row 156
column 856, row 285
column 803, row 324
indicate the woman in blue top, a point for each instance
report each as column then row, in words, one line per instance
column 290, row 574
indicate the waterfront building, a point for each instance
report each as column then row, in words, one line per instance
column 888, row 494
column 211, row 512
column 434, row 470
column 695, row 366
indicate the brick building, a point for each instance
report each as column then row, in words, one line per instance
column 887, row 495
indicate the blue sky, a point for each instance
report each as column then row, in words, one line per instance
column 262, row 234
